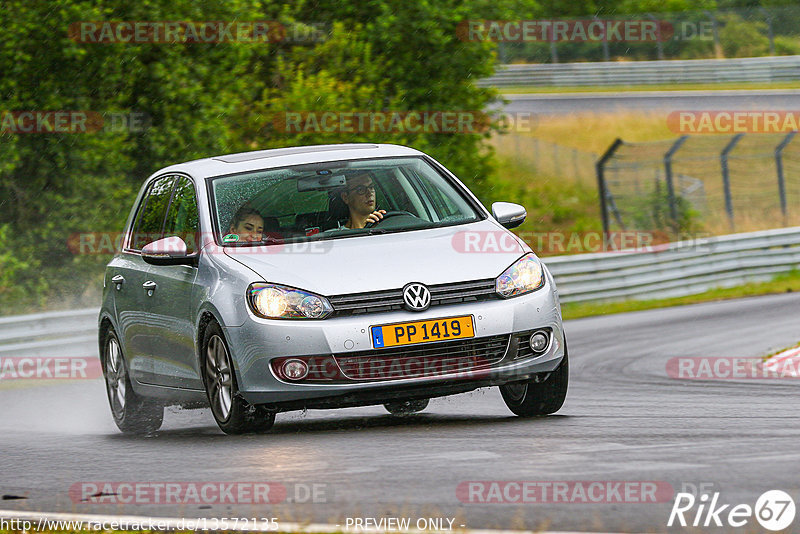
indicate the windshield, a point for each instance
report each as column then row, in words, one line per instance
column 335, row 200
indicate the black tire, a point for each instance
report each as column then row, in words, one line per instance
column 531, row 399
column 233, row 414
column 406, row 407
column 132, row 413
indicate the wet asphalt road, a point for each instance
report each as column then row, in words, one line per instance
column 624, row 420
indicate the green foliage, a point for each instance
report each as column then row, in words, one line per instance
column 740, row 38
column 11, row 270
column 787, row 46
column 652, row 213
column 204, row 99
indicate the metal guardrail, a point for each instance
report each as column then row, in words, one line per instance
column 66, row 334
column 756, row 69
column 677, row 269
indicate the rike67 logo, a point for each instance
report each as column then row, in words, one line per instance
column 774, row 510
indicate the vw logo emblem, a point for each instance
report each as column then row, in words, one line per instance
column 417, row 297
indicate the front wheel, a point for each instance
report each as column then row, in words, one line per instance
column 530, row 399
column 233, row 414
column 133, row 414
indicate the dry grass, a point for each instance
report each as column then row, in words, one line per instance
column 752, row 166
column 594, row 132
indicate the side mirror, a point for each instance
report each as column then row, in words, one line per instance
column 167, row 251
column 508, row 214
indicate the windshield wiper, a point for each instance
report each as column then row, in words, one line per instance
column 355, row 232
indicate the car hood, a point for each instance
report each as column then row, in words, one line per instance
column 472, row 251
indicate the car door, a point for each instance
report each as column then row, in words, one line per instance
column 170, row 302
column 128, row 273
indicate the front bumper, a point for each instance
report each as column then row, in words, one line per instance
column 254, row 344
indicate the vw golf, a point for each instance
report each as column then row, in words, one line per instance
column 322, row 277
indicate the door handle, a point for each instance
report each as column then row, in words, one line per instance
column 118, row 280
column 150, row 287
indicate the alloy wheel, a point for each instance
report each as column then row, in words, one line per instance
column 218, row 377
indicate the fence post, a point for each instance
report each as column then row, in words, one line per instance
column 552, row 39
column 715, row 30
column 770, row 33
column 659, row 44
column 779, row 168
column 726, row 179
column 606, row 56
column 601, row 181
column 673, row 209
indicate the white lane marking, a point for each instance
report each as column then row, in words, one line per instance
column 787, row 363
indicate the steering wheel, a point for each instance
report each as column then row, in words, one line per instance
column 390, row 214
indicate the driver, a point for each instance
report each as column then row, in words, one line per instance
column 359, row 197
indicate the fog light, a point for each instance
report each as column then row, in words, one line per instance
column 295, row 369
column 538, row 342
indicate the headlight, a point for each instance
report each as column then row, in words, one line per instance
column 524, row 276
column 273, row 301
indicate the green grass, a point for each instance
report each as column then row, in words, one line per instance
column 655, row 87
column 553, row 204
column 785, row 283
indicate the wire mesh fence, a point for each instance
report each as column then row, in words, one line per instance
column 716, row 184
column 545, row 157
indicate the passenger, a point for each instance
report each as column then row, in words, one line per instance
column 248, row 224
column 359, row 197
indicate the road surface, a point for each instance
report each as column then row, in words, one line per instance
column 624, row 420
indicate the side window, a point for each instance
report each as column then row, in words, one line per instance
column 182, row 217
column 150, row 219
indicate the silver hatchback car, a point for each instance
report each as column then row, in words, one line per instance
column 322, row 277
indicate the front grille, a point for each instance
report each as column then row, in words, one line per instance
column 392, row 299
column 461, row 356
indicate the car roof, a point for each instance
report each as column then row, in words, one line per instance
column 281, row 157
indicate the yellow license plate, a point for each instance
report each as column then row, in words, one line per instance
column 392, row 335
